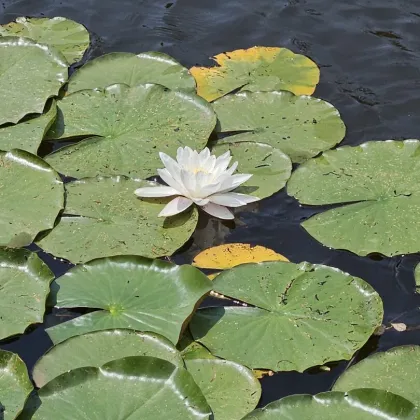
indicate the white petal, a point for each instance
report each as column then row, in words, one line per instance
column 170, row 164
column 218, row 211
column 169, row 179
column 222, row 162
column 200, row 201
column 232, row 199
column 233, row 182
column 177, row 205
column 232, row 169
column 189, row 181
column 156, row 191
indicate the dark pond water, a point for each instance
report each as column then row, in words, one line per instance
column 369, row 54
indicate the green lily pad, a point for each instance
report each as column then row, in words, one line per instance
column 24, row 286
column 303, row 315
column 396, row 370
column 28, row 135
column 132, row 125
column 132, row 292
column 65, row 35
column 30, row 73
column 15, row 385
column 360, row 404
column 104, row 217
column 270, row 168
column 132, row 70
column 100, row 347
column 231, row 390
column 129, row 388
column 300, row 126
column 378, row 183
column 31, row 196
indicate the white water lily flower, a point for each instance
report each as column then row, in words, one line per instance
column 199, row 178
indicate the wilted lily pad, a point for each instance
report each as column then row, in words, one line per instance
column 300, row 126
column 100, row 347
column 133, row 387
column 303, row 315
column 132, row 125
column 257, row 69
column 132, row 70
column 360, row 404
column 30, row 73
column 379, row 183
column 270, row 167
column 104, row 217
column 68, row 37
column 396, row 370
column 31, row 195
column 132, row 292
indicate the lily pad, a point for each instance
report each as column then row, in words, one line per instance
column 100, row 347
column 303, row 315
column 24, row 286
column 15, row 385
column 129, row 292
column 131, row 125
column 104, row 217
column 270, row 167
column 231, row 390
column 300, row 126
column 65, row 35
column 28, row 135
column 30, row 73
column 361, row 404
column 257, row 69
column 133, row 387
column 396, row 370
column 132, row 70
column 378, row 183
column 31, row 196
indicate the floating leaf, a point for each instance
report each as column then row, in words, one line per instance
column 300, row 126
column 30, row 73
column 100, row 347
column 132, row 70
column 28, row 135
column 361, row 404
column 24, row 286
column 378, row 181
column 65, row 35
column 132, row 292
column 303, row 315
column 15, row 385
column 396, row 370
column 231, row 390
column 257, row 69
column 104, row 217
column 270, row 168
column 417, row 277
column 31, row 196
column 133, row 387
column 132, row 125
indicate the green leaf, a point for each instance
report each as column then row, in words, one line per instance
column 132, row 125
column 15, row 385
column 30, row 73
column 396, row 370
column 100, row 347
column 303, row 315
column 270, row 168
column 28, row 135
column 65, row 35
column 360, row 404
column 24, row 286
column 133, row 292
column 129, row 388
column 31, row 196
column 132, row 70
column 231, row 390
column 378, row 182
column 300, row 126
column 104, row 217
